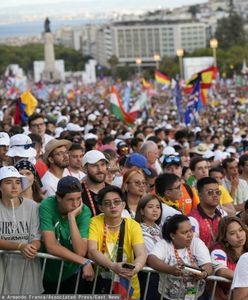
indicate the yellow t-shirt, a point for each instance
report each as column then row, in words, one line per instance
column 133, row 236
column 224, row 198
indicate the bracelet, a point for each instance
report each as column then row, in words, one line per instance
column 88, row 261
column 19, row 246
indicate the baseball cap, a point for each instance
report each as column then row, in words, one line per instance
column 171, row 159
column 11, row 172
column 93, row 156
column 4, row 139
column 74, row 127
column 128, row 135
column 65, row 183
column 138, row 160
column 90, row 136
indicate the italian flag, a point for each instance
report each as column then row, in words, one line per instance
column 117, row 109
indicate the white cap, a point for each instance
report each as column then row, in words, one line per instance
column 93, row 156
column 58, row 131
column 220, row 155
column 168, row 126
column 208, row 154
column 74, row 127
column 90, row 136
column 128, row 135
column 11, row 172
column 169, row 151
column 64, row 119
column 21, row 145
column 4, row 139
column 237, row 139
column 92, row 117
column 231, row 149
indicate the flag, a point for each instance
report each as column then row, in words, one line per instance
column 194, row 104
column 121, row 287
column 162, row 78
column 178, row 99
column 117, row 109
column 147, row 84
column 206, row 77
column 219, row 257
column 127, row 97
column 25, row 107
column 140, row 104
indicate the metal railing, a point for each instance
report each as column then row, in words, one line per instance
column 149, row 271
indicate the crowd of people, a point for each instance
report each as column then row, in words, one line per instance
column 79, row 184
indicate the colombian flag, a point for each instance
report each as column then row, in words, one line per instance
column 25, row 107
column 162, row 78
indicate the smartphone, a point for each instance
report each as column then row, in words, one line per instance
column 128, row 266
column 192, row 269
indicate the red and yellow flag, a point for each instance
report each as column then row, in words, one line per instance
column 162, row 78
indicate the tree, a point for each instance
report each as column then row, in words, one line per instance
column 230, row 31
column 113, row 62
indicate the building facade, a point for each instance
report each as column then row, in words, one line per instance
column 144, row 39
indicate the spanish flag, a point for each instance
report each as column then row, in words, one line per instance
column 206, row 77
column 162, row 78
column 147, row 84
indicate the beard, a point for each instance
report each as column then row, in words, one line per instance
column 95, row 179
column 62, row 165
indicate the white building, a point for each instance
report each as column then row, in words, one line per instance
column 129, row 40
column 40, row 65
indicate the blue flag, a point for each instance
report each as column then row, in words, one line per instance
column 178, row 99
column 126, row 98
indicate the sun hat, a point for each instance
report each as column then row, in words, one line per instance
column 93, row 156
column 138, row 160
column 11, row 172
column 200, row 149
column 21, row 145
column 52, row 145
column 4, row 139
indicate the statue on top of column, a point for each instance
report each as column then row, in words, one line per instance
column 47, row 25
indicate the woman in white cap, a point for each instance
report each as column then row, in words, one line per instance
column 19, row 230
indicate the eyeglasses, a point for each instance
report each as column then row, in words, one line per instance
column 61, row 153
column 175, row 188
column 38, row 125
column 138, row 183
column 109, row 203
column 172, row 158
column 124, row 149
column 213, row 192
column 26, row 146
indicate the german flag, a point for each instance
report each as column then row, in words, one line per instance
column 162, row 78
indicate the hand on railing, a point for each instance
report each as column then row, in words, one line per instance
column 88, row 273
column 123, row 272
column 28, row 250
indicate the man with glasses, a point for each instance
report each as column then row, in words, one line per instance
column 188, row 198
column 56, row 157
column 200, row 169
column 36, row 124
column 207, row 215
column 168, row 188
column 116, row 244
column 64, row 223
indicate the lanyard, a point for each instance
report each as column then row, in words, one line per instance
column 210, row 230
column 104, row 244
column 92, row 205
column 179, row 260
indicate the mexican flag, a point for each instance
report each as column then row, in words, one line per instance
column 117, row 109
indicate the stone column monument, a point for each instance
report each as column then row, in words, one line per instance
column 49, row 74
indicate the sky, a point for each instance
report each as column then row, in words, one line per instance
column 16, row 11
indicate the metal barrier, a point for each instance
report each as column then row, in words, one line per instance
column 46, row 256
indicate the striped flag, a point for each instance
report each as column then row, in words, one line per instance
column 162, row 78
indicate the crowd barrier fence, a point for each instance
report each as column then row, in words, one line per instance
column 46, row 256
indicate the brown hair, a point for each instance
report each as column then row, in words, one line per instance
column 221, row 236
column 128, row 174
column 142, row 204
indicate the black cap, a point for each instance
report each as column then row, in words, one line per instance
column 65, row 185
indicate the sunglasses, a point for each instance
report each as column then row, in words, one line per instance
column 26, row 146
column 172, row 158
column 109, row 203
column 213, row 192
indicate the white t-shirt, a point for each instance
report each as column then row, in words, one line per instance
column 173, row 287
column 79, row 175
column 240, row 278
column 168, row 211
column 50, row 182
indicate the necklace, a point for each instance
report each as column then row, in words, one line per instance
column 113, row 226
column 92, row 205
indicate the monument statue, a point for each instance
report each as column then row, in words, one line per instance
column 47, row 25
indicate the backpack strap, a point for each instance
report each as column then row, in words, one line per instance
column 189, row 190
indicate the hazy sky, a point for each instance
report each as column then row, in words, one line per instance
column 9, row 9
